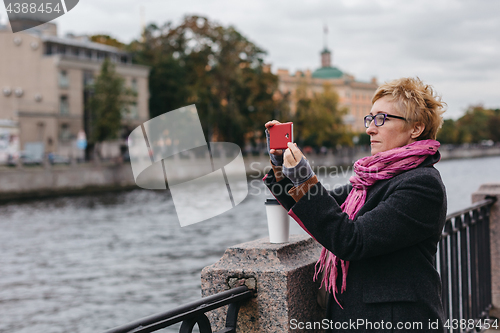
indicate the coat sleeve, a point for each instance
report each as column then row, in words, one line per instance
column 407, row 215
column 279, row 189
column 340, row 193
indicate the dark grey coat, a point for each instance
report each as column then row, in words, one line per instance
column 391, row 245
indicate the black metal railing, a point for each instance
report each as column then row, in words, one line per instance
column 193, row 313
column 463, row 261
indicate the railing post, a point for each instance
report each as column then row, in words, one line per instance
column 493, row 190
column 283, row 275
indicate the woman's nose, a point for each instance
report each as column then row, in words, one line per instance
column 372, row 129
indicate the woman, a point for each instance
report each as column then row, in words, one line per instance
column 379, row 233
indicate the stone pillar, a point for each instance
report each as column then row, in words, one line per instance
column 283, row 274
column 493, row 189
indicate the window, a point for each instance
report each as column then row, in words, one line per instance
column 65, row 133
column 130, row 112
column 63, row 79
column 134, row 111
column 134, row 85
column 64, row 104
column 48, row 49
column 61, row 49
column 88, row 78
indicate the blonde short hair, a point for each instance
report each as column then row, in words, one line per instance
column 417, row 102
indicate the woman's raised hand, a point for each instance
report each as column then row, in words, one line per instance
column 276, row 155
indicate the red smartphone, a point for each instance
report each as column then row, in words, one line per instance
column 280, row 135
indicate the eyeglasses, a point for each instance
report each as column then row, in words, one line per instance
column 379, row 119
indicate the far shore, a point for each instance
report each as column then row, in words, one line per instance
column 30, row 182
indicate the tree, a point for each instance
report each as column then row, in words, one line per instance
column 168, row 86
column 448, row 132
column 319, row 119
column 474, row 125
column 494, row 125
column 110, row 99
column 216, row 68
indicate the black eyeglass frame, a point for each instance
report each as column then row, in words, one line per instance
column 374, row 118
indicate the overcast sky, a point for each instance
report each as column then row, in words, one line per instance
column 453, row 45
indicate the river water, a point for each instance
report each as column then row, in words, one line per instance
column 89, row 263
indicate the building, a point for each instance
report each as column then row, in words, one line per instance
column 44, row 85
column 355, row 95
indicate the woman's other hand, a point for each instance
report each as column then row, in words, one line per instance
column 295, row 165
column 292, row 155
column 276, row 155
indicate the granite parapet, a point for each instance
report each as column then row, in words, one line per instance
column 282, row 275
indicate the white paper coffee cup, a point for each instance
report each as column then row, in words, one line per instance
column 278, row 222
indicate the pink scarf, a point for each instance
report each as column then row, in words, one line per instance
column 369, row 170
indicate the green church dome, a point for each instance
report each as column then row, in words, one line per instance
column 327, row 73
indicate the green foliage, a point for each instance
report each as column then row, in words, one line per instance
column 494, row 125
column 168, row 86
column 215, row 67
column 448, row 132
column 318, row 120
column 107, row 40
column 364, row 139
column 476, row 125
column 109, row 100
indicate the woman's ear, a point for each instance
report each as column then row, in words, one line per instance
column 418, row 128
